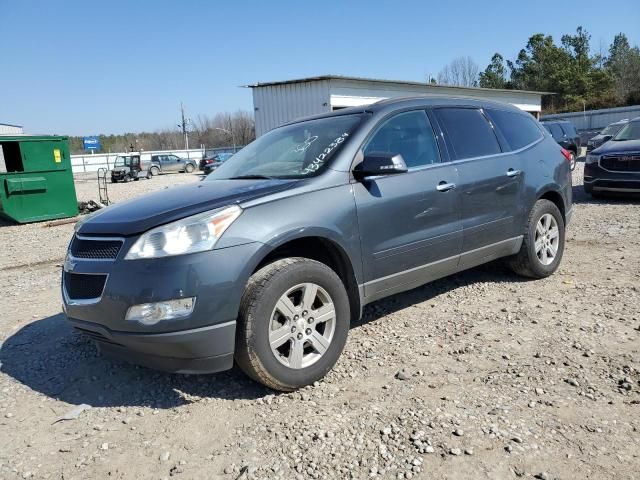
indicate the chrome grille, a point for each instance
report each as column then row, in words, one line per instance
column 621, row 163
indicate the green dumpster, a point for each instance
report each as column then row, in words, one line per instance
column 36, row 181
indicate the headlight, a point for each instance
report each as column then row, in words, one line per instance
column 592, row 159
column 189, row 235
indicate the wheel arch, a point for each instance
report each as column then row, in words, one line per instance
column 323, row 249
column 554, row 196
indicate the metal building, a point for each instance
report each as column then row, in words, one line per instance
column 275, row 103
column 8, row 129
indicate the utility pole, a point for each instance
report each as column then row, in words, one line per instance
column 183, row 126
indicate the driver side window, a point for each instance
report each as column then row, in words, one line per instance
column 408, row 134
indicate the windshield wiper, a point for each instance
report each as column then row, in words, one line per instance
column 250, row 177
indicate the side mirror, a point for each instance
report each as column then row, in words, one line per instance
column 380, row 163
column 606, row 138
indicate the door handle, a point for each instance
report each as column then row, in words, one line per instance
column 513, row 173
column 445, row 187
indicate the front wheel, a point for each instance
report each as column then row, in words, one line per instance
column 154, row 171
column 293, row 323
column 543, row 243
column 188, row 168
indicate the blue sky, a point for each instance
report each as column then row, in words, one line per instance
column 82, row 67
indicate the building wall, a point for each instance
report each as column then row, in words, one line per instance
column 281, row 103
column 277, row 104
column 10, row 129
column 349, row 93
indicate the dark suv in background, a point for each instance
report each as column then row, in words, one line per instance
column 211, row 161
column 270, row 258
column 606, row 134
column 615, row 166
column 566, row 135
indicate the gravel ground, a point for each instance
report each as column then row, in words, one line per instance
column 479, row 375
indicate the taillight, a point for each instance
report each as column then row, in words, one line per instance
column 566, row 153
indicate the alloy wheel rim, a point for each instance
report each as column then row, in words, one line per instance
column 302, row 325
column 547, row 239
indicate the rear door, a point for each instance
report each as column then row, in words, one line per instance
column 490, row 181
column 177, row 162
column 410, row 222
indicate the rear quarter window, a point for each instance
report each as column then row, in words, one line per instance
column 518, row 129
column 467, row 132
column 555, row 130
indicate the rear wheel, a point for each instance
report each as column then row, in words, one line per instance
column 543, row 243
column 293, row 323
column 188, row 168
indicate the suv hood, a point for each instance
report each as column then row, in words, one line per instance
column 165, row 206
column 597, row 138
column 620, row 146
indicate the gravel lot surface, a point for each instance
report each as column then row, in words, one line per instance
column 479, row 375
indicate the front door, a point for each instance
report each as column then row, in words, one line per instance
column 410, row 222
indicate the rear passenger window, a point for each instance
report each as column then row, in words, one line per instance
column 409, row 134
column 519, row 129
column 467, row 132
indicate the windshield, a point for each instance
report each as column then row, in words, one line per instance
column 612, row 129
column 300, row 150
column 123, row 162
column 631, row 131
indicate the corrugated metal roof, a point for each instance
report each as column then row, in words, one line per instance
column 10, row 125
column 378, row 80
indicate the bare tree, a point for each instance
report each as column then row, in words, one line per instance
column 462, row 71
column 221, row 130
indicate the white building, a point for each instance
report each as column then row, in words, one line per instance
column 275, row 103
column 8, row 129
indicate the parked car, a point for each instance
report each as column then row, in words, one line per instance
column 167, row 163
column 273, row 255
column 566, row 135
column 130, row 167
column 615, row 166
column 210, row 162
column 605, row 135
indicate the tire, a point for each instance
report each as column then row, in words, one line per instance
column 136, row 178
column 259, row 315
column 528, row 262
column 154, row 171
column 572, row 161
column 188, row 168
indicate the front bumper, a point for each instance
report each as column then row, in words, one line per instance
column 203, row 342
column 201, row 350
column 597, row 179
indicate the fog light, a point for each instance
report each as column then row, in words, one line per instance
column 152, row 313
